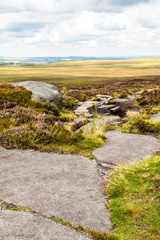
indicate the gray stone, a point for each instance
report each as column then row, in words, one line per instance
column 105, row 108
column 132, row 97
column 100, row 123
column 136, row 114
column 27, row 226
column 64, row 186
column 123, row 148
column 87, row 107
column 73, row 91
column 43, row 92
column 79, row 103
column 115, row 109
column 111, row 119
column 122, row 100
column 155, row 117
column 103, row 96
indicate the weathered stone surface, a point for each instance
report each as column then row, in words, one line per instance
column 123, row 148
column 87, row 107
column 122, row 100
column 100, row 122
column 125, row 105
column 115, row 109
column 105, row 108
column 103, row 96
column 136, row 114
column 111, row 119
column 64, row 186
column 155, row 117
column 43, row 92
column 27, row 226
column 73, row 91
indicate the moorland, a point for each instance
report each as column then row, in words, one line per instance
column 26, row 124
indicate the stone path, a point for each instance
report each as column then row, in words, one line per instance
column 84, row 108
column 64, row 186
column 124, row 148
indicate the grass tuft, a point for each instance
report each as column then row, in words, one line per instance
column 97, row 235
column 134, row 193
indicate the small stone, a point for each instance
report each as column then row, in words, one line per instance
column 115, row 109
column 155, row 117
column 73, row 91
column 105, row 108
column 103, row 96
column 79, row 103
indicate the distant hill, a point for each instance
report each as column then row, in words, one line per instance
column 42, row 60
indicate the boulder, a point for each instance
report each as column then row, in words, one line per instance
column 43, row 92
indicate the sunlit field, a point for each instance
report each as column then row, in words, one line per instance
column 79, row 72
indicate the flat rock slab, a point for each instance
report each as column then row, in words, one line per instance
column 64, row 186
column 26, row 226
column 123, row 148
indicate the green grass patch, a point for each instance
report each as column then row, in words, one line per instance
column 140, row 125
column 12, row 207
column 134, row 199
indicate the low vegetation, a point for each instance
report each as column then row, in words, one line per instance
column 133, row 192
column 34, row 125
column 134, row 198
column 141, row 124
column 12, row 207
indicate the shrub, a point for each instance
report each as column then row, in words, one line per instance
column 10, row 94
column 149, row 98
column 24, row 138
column 141, row 124
column 61, row 135
column 69, row 102
column 49, row 108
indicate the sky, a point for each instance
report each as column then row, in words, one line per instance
column 99, row 28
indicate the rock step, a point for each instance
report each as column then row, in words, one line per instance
column 65, row 186
column 124, row 148
column 27, row 226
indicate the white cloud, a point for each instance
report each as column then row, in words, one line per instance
column 86, row 27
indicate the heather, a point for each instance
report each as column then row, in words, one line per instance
column 41, row 126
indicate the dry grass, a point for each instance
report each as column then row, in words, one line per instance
column 81, row 71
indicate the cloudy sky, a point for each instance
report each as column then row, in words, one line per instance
column 79, row 28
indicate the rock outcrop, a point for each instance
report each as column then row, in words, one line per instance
column 43, row 92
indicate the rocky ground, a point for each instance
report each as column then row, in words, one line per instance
column 46, row 196
column 62, row 186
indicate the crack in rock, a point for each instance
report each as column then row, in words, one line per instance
column 79, row 229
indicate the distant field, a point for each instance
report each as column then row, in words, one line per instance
column 82, row 72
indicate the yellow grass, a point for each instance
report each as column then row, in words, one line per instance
column 80, row 70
